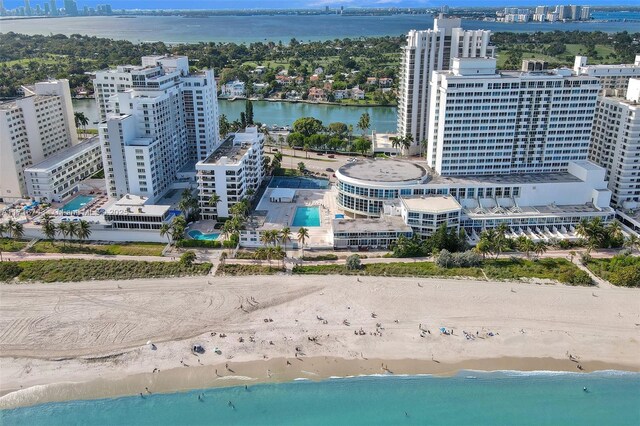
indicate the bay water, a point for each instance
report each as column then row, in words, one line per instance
column 469, row 398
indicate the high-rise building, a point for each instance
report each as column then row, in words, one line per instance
column 485, row 122
column 32, row 129
column 616, row 144
column 197, row 91
column 614, row 79
column 427, row 51
column 231, row 171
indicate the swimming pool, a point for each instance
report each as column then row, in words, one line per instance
column 298, row 182
column 197, row 235
column 77, row 203
column 307, row 216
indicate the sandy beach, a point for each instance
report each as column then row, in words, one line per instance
column 89, row 340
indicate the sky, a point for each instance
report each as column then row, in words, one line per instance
column 292, row 4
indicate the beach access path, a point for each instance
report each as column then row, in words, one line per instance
column 79, row 332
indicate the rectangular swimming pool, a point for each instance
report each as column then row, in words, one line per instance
column 307, row 216
column 77, row 203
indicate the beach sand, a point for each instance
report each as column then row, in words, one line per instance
column 88, row 340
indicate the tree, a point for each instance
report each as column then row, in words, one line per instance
column 248, row 108
column 188, row 258
column 307, row 126
column 48, row 227
column 285, row 235
column 165, row 230
column 364, row 123
column 303, row 234
column 224, row 125
column 80, row 119
column 362, row 145
column 353, row 262
column 84, row 230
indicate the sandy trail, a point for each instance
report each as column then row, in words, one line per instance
column 78, row 332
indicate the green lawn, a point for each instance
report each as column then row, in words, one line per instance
column 237, row 270
column 85, row 270
column 7, row 244
column 619, row 270
column 123, row 249
column 503, row 269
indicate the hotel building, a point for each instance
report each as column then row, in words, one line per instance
column 488, row 122
column 427, row 51
column 60, row 175
column 32, row 129
column 234, row 169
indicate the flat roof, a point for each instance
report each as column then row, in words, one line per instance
column 383, row 170
column 507, row 179
column 381, row 224
column 431, row 203
column 64, row 155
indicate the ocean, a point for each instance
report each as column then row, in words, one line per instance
column 470, row 398
column 247, row 29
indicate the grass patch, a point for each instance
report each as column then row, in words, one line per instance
column 123, row 249
column 320, row 257
column 237, row 270
column 66, row 270
column 620, row 270
column 560, row 270
column 399, row 269
column 7, row 244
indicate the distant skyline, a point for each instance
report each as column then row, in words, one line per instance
column 303, row 4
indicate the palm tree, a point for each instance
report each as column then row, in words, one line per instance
column 285, row 235
column 165, row 230
column 303, row 234
column 80, row 119
column 48, row 226
column 63, row 229
column 84, row 230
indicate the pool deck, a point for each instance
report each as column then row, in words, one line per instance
column 280, row 215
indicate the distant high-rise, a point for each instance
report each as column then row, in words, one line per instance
column 427, row 51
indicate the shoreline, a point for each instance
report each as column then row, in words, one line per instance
column 276, row 370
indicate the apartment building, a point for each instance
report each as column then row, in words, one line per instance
column 232, row 171
column 32, row 129
column 427, row 51
column 59, row 176
column 614, row 79
column 616, row 145
column 197, row 91
column 489, row 122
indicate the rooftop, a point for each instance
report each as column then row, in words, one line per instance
column 66, row 154
column 507, row 179
column 382, row 170
column 228, row 149
column 431, row 204
column 381, row 224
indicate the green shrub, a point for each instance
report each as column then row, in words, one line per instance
column 320, row 257
column 9, row 270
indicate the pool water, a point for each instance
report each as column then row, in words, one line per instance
column 307, row 216
column 197, row 235
column 77, row 203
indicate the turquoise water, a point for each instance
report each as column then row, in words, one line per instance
column 307, row 216
column 505, row 398
column 197, row 235
column 77, row 203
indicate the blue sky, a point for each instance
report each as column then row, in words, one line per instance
column 288, row 4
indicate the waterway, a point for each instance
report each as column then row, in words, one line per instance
column 383, row 119
column 247, row 29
